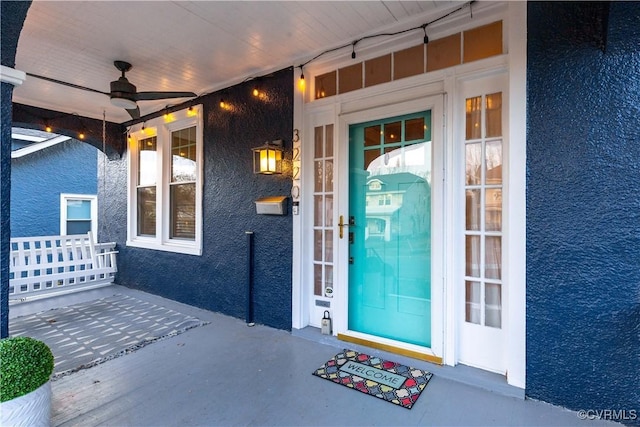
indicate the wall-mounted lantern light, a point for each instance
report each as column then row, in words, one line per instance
column 267, row 159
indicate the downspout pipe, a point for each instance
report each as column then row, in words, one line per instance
column 249, row 312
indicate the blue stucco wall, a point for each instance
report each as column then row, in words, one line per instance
column 12, row 16
column 217, row 280
column 37, row 180
column 583, row 205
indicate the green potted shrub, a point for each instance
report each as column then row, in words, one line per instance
column 26, row 365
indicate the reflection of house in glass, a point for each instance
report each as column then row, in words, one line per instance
column 396, row 206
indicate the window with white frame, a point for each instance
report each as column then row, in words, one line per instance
column 165, row 183
column 78, row 214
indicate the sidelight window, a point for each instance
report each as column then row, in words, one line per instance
column 483, row 213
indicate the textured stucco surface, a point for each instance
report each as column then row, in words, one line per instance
column 217, row 279
column 38, row 179
column 583, row 205
column 12, row 15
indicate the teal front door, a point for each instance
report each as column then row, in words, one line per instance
column 389, row 228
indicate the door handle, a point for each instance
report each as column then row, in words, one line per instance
column 342, row 224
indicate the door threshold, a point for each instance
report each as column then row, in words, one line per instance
column 464, row 374
column 391, row 348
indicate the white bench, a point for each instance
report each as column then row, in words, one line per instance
column 50, row 265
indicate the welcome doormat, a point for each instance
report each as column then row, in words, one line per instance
column 90, row 333
column 390, row 381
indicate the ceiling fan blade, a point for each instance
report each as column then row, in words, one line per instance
column 60, row 82
column 134, row 113
column 148, row 96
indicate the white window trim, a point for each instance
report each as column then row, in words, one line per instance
column 161, row 127
column 65, row 197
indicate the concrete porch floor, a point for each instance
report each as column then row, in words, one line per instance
column 228, row 374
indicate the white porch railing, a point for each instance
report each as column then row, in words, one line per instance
column 51, row 265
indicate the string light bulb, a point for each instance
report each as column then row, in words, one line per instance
column 48, row 128
column 426, row 37
column 301, row 82
column 353, row 50
column 222, row 104
column 81, row 135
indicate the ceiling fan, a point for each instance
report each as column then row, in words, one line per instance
column 124, row 94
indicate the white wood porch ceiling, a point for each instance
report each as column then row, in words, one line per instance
column 198, row 46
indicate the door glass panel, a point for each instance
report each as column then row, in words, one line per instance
column 390, row 202
column 319, row 142
column 318, row 175
column 473, row 256
column 493, row 305
column 370, row 156
column 493, row 258
column 494, row 114
column 392, row 132
column 473, row 209
column 372, row 135
column 414, row 129
column 473, row 168
column 494, row 162
column 318, row 209
column 493, row 209
column 317, row 245
column 328, row 143
column 328, row 175
column 474, row 116
column 472, row 298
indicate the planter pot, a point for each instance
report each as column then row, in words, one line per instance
column 32, row 409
